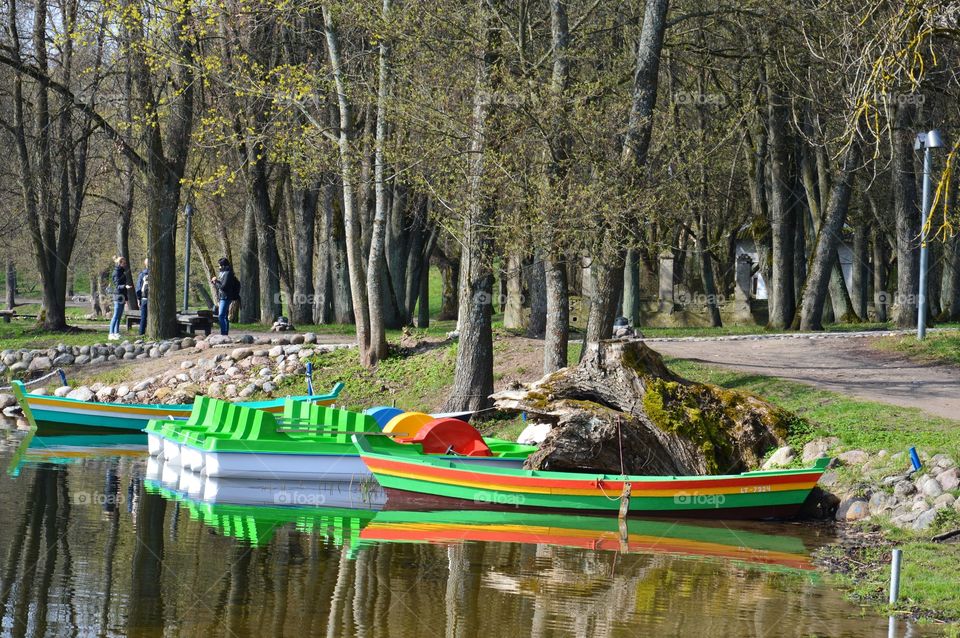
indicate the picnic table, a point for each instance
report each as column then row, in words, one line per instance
column 8, row 315
column 188, row 324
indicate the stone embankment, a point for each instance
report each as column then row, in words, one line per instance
column 860, row 485
column 226, row 367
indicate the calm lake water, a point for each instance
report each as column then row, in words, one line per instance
column 96, row 541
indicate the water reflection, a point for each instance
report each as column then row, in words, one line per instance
column 101, row 545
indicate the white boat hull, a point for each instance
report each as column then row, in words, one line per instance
column 171, row 452
column 309, row 467
column 155, row 444
column 299, row 467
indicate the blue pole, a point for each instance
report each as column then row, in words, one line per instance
column 915, row 459
column 309, row 377
column 63, row 377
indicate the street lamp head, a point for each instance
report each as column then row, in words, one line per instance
column 930, row 139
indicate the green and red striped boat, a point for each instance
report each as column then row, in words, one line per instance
column 44, row 411
column 429, row 483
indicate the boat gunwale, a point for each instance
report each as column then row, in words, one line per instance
column 523, row 477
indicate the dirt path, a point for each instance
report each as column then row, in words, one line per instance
column 840, row 363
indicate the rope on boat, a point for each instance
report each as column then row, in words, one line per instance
column 58, row 371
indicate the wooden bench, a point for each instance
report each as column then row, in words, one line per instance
column 133, row 320
column 7, row 315
column 188, row 324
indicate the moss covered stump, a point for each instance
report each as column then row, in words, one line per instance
column 622, row 411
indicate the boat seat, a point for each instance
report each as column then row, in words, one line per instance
column 382, row 414
column 451, row 436
column 404, row 426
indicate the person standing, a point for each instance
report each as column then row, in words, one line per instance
column 142, row 297
column 228, row 290
column 120, row 289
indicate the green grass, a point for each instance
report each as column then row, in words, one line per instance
column 858, row 424
column 418, row 381
column 928, row 576
column 942, row 347
column 24, row 334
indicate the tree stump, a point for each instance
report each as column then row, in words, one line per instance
column 622, row 411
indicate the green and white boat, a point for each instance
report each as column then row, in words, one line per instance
column 308, row 442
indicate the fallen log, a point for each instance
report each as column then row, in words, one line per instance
column 622, row 411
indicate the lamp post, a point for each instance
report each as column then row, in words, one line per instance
column 927, row 141
column 188, row 211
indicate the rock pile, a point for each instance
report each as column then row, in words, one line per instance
column 24, row 363
column 253, row 366
column 861, row 485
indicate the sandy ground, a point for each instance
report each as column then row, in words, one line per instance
column 843, row 364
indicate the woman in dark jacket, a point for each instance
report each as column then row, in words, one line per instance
column 120, row 288
column 228, row 290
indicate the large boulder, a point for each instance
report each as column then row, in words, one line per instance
column 621, row 410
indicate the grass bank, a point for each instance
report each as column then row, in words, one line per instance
column 937, row 347
column 929, row 579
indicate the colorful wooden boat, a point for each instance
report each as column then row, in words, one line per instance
column 49, row 411
column 307, row 442
column 434, row 481
column 738, row 542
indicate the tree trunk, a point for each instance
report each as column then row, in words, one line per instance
column 449, row 286
column 12, row 284
column 423, row 305
column 322, row 285
column 96, row 309
column 351, row 220
column 513, row 278
column 781, row 299
column 249, row 270
column 557, row 333
column 881, row 295
column 165, row 163
column 706, row 273
column 473, row 377
column 631, row 287
column 304, row 222
column 339, row 276
column 537, row 291
column 268, row 258
column 859, row 276
column 950, row 287
column 608, row 269
column 124, row 213
column 904, row 186
column 825, row 253
column 840, row 299
column 376, row 266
